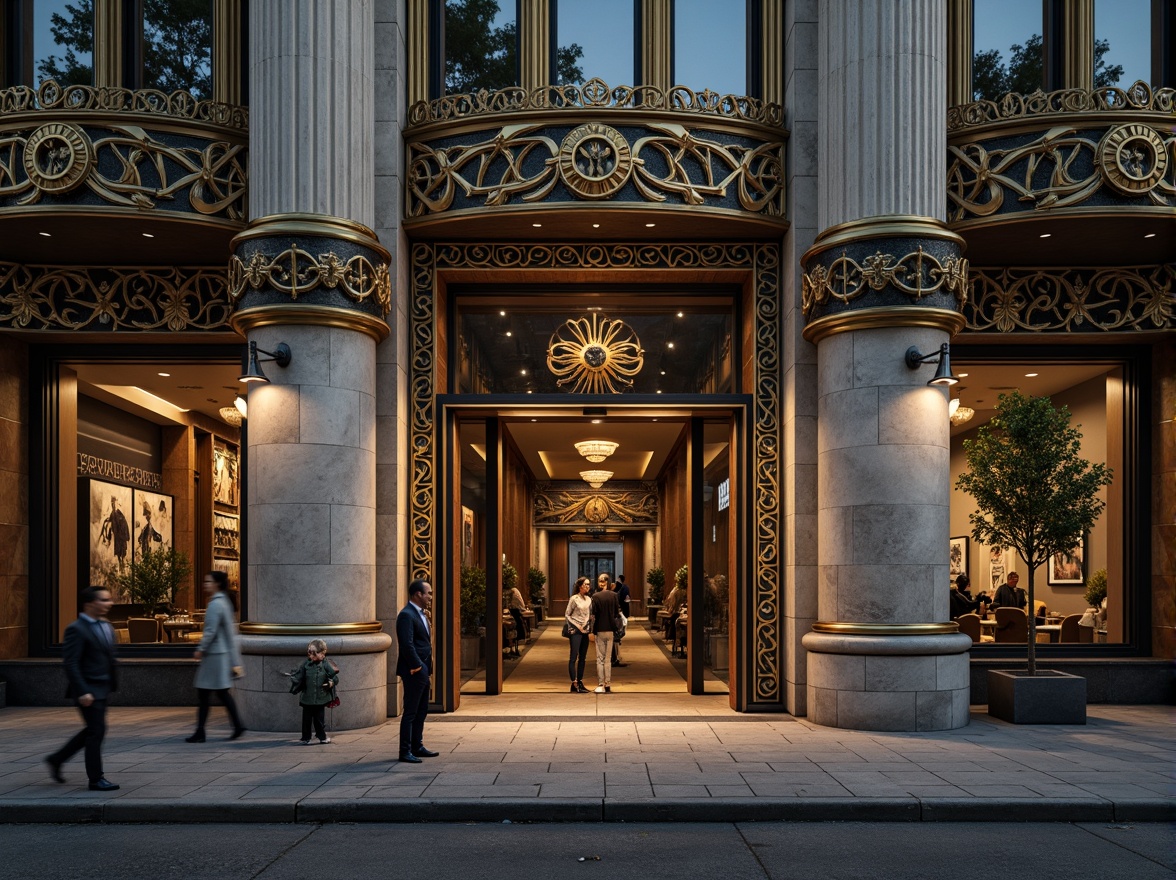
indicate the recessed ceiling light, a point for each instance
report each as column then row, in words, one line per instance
column 663, row 372
column 502, row 312
column 534, row 420
column 537, row 225
column 46, row 234
column 595, row 225
column 679, row 314
column 148, row 235
column 165, row 375
column 524, row 372
column 508, row 333
column 962, row 375
column 1046, row 234
column 655, row 420
column 529, row 391
column 596, row 421
column 1030, row 375
column 1150, row 235
column 669, row 345
column 659, row 391
column 650, row 225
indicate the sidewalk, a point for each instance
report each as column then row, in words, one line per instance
column 609, row 767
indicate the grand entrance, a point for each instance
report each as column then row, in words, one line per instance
column 528, row 511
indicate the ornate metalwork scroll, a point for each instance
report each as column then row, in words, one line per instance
column 761, row 260
column 595, row 355
column 1139, row 98
column 917, row 274
column 566, row 504
column 297, row 271
column 167, row 298
column 1087, row 300
column 51, row 98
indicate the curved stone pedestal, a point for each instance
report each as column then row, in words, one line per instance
column 888, row 682
column 264, row 693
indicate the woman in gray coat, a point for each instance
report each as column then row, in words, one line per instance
column 219, row 654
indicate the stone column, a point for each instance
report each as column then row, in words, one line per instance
column 309, row 272
column 883, row 275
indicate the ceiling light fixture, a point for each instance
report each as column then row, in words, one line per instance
column 1150, row 235
column 46, row 234
column 230, row 415
column 165, row 375
column 959, row 414
column 148, row 235
column 595, row 225
column 537, row 225
column 595, row 479
column 596, row 450
column 1030, row 375
column 650, row 225
column 1046, row 234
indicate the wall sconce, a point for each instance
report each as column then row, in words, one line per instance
column 595, row 479
column 596, row 450
column 253, row 373
column 942, row 357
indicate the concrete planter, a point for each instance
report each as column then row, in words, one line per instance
column 471, row 651
column 1050, row 697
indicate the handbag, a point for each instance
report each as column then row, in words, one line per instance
column 567, row 630
column 335, row 701
column 619, row 624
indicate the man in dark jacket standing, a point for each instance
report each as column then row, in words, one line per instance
column 92, row 674
column 603, row 623
column 414, row 665
column 623, row 596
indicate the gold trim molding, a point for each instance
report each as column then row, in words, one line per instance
column 309, row 315
column 1013, row 107
column 886, row 629
column 169, row 298
column 318, row 225
column 249, row 628
column 886, row 316
column 847, row 279
column 881, row 226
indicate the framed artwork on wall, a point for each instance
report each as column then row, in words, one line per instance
column 152, row 522
column 1068, row 567
column 226, row 533
column 467, row 536
column 109, row 533
column 957, row 556
column 224, row 473
column 232, row 570
column 1000, row 563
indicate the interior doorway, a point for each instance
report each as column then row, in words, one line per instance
column 593, row 565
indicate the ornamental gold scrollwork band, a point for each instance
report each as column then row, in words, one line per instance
column 1138, row 98
column 595, row 161
column 765, row 605
column 296, row 271
column 557, row 504
column 595, row 94
column 167, row 298
column 49, row 96
column 917, row 274
column 1079, row 300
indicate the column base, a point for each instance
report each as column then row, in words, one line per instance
column 902, row 683
column 264, row 693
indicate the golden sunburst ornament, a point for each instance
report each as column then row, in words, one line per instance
column 595, row 355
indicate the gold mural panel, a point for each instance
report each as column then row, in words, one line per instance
column 562, row 504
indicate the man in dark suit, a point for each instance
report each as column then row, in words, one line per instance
column 92, row 673
column 414, row 665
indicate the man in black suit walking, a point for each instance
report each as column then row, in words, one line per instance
column 414, row 665
column 92, row 672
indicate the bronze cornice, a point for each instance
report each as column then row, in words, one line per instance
column 250, row 628
column 885, row 629
column 309, row 315
column 1104, row 212
column 885, row 316
column 317, row 225
column 882, row 226
column 1106, row 105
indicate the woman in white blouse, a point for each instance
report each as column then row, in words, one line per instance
column 579, row 608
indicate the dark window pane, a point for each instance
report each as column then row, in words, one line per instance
column 1006, row 40
column 710, row 46
column 481, row 45
column 63, row 41
column 177, row 46
column 594, row 40
column 1122, row 42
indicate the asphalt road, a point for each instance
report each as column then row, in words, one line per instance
column 815, row 851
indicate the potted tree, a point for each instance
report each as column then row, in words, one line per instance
column 153, row 578
column 1034, row 492
column 656, row 578
column 535, row 581
column 472, row 614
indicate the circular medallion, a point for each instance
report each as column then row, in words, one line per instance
column 1132, row 159
column 58, row 157
column 596, row 510
column 595, row 356
column 595, row 161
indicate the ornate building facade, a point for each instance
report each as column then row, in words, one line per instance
column 340, row 301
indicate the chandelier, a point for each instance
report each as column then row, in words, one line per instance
column 596, row 450
column 230, row 415
column 959, row 414
column 595, row 479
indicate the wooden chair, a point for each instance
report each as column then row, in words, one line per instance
column 1070, row 629
column 1011, row 625
column 970, row 625
column 142, row 629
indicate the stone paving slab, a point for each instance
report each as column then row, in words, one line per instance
column 1119, row 767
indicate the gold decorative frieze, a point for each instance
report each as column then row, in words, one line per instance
column 595, row 162
column 917, row 274
column 594, row 355
column 296, row 272
column 559, row 504
column 167, row 298
column 1013, row 107
column 1089, row 300
column 50, row 97
column 596, row 95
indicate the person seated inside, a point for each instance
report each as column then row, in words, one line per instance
column 961, row 600
column 1039, row 618
column 1009, row 595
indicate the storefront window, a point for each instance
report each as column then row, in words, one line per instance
column 1122, row 42
column 1094, row 394
column 63, row 41
column 177, row 46
column 716, row 554
column 710, row 46
column 481, row 45
column 641, row 345
column 1007, row 42
column 594, row 40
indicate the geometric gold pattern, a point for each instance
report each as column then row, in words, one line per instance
column 594, row 355
column 916, row 274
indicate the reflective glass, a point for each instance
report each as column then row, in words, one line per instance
column 63, row 41
column 470, row 548
column 481, row 45
column 710, row 46
column 1006, row 40
column 594, row 40
column 716, row 552
column 1122, row 42
column 177, row 46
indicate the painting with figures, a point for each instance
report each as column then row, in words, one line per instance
column 110, row 538
column 224, row 474
column 152, row 524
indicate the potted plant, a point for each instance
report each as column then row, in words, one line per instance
column 153, row 578
column 656, row 578
column 472, row 614
column 1096, row 589
column 1034, row 492
column 719, row 595
column 535, row 581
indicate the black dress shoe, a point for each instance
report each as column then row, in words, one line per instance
column 410, row 758
column 103, row 785
column 422, row 752
column 620, row 664
column 236, row 734
column 54, row 770
column 195, row 738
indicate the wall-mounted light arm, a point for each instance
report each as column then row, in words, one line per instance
column 942, row 357
column 280, row 356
